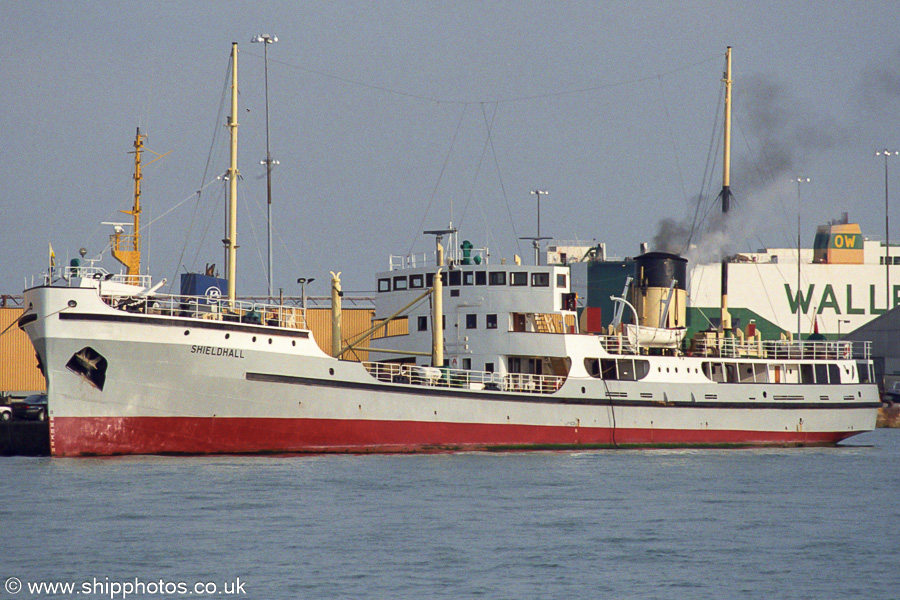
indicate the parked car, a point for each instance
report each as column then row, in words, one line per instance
column 33, row 407
column 5, row 413
column 892, row 394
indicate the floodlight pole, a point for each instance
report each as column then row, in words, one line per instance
column 887, row 235
column 799, row 180
column 266, row 39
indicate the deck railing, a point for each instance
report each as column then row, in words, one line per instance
column 72, row 274
column 772, row 349
column 461, row 378
column 211, row 309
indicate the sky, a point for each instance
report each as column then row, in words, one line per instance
column 391, row 118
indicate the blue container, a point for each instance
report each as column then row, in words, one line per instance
column 197, row 284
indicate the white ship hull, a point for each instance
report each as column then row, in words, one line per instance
column 180, row 385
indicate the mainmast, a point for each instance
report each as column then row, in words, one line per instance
column 233, row 174
column 726, row 186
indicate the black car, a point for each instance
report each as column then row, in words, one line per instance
column 33, row 407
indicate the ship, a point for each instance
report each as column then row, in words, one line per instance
column 131, row 370
column 839, row 284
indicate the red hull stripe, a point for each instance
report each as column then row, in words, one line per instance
column 75, row 436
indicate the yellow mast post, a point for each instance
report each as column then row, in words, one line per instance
column 725, row 324
column 231, row 240
column 131, row 257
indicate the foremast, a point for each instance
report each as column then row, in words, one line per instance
column 130, row 254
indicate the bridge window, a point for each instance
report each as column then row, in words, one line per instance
column 400, row 283
column 497, row 278
column 480, row 277
column 384, row 285
column 518, row 278
column 540, row 280
column 455, row 278
column 468, row 277
column 416, row 281
column 622, row 369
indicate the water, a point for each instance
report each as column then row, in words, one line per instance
column 768, row 523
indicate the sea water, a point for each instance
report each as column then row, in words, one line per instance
column 754, row 523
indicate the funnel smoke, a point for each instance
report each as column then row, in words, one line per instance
column 775, row 134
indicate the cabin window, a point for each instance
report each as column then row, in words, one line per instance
column 400, row 283
column 455, row 278
column 429, row 279
column 384, row 285
column 807, row 374
column 497, row 278
column 468, row 278
column 623, row 369
column 540, row 280
column 714, row 371
column 490, row 322
column 821, row 372
column 561, row 280
column 471, row 321
column 467, row 364
column 489, row 367
column 422, row 322
column 760, row 373
column 514, row 364
column 592, row 366
column 454, row 293
column 416, row 281
column 731, row 375
column 480, row 277
column 865, row 373
column 834, row 374
column 518, row 278
column 745, row 372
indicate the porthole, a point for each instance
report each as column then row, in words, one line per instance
column 254, row 338
column 270, row 340
column 71, row 303
column 582, row 390
column 764, row 395
column 187, row 332
column 293, row 342
column 227, row 335
column 331, row 371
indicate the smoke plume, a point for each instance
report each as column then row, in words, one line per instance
column 773, row 134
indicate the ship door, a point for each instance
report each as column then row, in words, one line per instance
column 518, row 321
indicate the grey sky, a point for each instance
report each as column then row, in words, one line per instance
column 609, row 106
